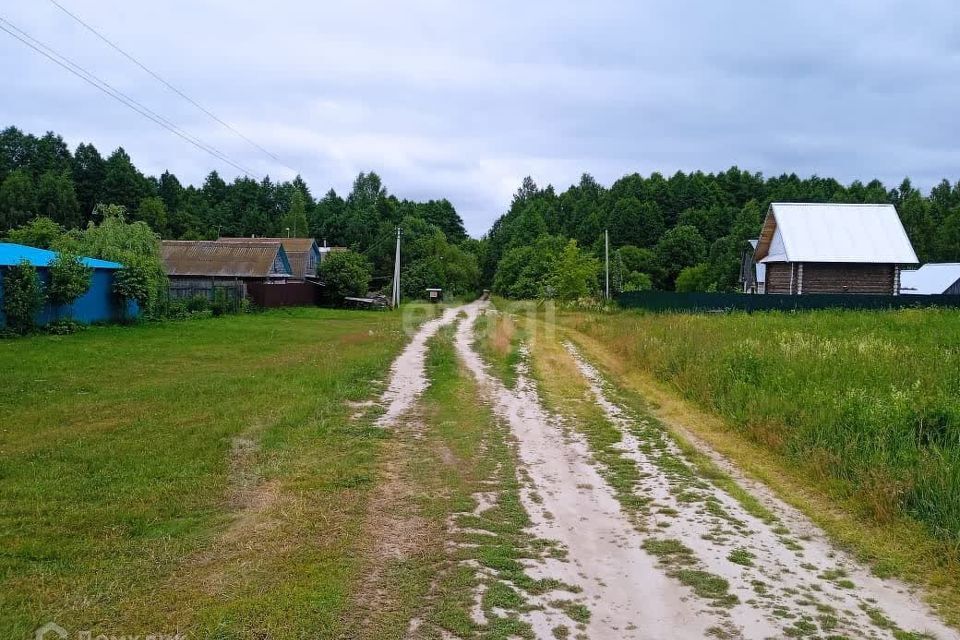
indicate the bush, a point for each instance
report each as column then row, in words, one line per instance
column 135, row 246
column 22, row 297
column 132, row 283
column 64, row 327
column 69, row 279
column 221, row 303
column 695, row 279
column 197, row 303
column 345, row 273
column 41, row 232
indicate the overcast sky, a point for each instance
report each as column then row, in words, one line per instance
column 463, row 99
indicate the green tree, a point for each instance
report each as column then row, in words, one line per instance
column 153, row 211
column 696, row 278
column 345, row 273
column 633, row 222
column 574, row 273
column 40, row 232
column 22, row 297
column 523, row 272
column 136, row 247
column 681, row 247
column 296, row 218
column 170, row 191
column 123, row 184
column 89, row 170
column 56, row 199
column 69, row 279
column 636, row 281
column 18, row 199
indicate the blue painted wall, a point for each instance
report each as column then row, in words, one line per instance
column 99, row 304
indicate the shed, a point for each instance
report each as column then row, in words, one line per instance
column 931, row 279
column 753, row 274
column 833, row 248
column 98, row 304
column 303, row 253
column 200, row 267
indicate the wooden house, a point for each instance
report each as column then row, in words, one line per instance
column 199, row 267
column 303, row 253
column 934, row 279
column 833, row 248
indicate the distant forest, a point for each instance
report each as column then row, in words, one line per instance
column 685, row 231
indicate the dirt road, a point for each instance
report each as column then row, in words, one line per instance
column 694, row 561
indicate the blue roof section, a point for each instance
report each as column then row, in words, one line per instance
column 12, row 254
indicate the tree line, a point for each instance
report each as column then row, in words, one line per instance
column 41, row 178
column 685, row 232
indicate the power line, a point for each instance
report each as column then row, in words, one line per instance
column 114, row 93
column 169, row 86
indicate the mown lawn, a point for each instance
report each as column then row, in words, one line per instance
column 202, row 476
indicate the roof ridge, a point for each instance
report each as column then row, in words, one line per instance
column 832, row 204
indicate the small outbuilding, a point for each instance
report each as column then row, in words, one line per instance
column 833, row 248
column 753, row 274
column 98, row 304
column 933, row 279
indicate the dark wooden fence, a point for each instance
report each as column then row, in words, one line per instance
column 670, row 301
column 289, row 294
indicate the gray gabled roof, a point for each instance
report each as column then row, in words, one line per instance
column 873, row 233
column 224, row 260
column 930, row 279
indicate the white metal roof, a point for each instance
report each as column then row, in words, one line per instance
column 794, row 232
column 930, row 279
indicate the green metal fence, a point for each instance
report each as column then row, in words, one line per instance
column 670, row 301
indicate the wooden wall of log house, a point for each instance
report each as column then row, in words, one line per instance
column 834, row 277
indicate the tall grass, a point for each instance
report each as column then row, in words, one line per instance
column 867, row 401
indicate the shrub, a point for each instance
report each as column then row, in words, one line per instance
column 221, row 303
column 64, row 327
column 22, row 297
column 345, row 273
column 132, row 283
column 41, row 232
column 134, row 245
column 696, row 278
column 197, row 303
column 69, row 279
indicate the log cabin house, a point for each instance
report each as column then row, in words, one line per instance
column 833, row 248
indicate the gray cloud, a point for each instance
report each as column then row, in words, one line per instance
column 461, row 100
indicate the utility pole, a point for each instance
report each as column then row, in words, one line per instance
column 606, row 244
column 396, row 275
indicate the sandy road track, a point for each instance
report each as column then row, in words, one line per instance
column 781, row 577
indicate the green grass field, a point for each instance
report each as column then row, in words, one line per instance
column 169, row 476
column 867, row 401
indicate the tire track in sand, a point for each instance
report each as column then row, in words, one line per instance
column 628, row 596
column 408, row 378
